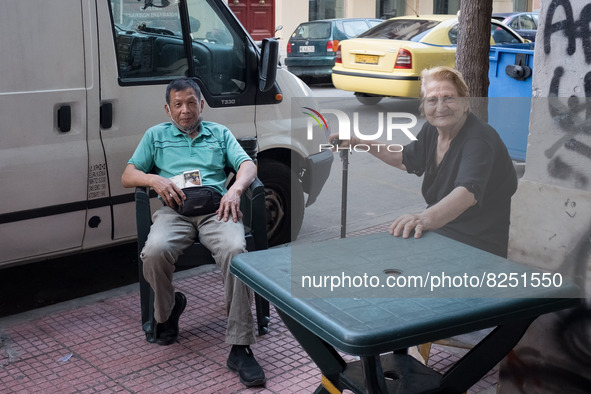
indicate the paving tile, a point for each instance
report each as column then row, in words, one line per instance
column 26, row 341
column 304, row 379
column 47, row 374
column 110, row 354
column 125, row 352
column 97, row 320
column 185, row 373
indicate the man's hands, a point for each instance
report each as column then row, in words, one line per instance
column 173, row 196
column 170, row 193
column 166, row 189
column 230, row 203
column 230, row 206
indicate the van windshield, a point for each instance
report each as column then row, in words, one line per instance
column 151, row 46
column 401, row 29
column 153, row 17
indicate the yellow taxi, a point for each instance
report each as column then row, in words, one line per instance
column 387, row 59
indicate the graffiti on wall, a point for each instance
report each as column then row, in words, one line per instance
column 569, row 330
column 572, row 115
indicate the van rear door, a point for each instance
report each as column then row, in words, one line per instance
column 43, row 147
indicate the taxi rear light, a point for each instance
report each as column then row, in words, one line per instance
column 337, row 55
column 403, row 59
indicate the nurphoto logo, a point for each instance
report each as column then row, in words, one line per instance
column 389, row 122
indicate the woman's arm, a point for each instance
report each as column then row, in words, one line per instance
column 436, row 216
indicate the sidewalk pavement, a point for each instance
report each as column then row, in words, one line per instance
column 95, row 344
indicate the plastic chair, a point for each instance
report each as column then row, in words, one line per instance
column 253, row 209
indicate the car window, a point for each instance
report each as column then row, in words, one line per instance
column 401, row 29
column 354, row 28
column 312, row 31
column 502, row 36
column 373, row 23
column 526, row 22
column 453, row 35
column 514, row 23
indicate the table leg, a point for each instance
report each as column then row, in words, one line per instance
column 484, row 356
column 373, row 374
column 329, row 361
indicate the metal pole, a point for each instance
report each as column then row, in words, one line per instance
column 345, row 159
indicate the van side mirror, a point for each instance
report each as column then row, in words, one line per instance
column 268, row 64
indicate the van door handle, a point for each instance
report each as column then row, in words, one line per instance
column 64, row 118
column 106, row 115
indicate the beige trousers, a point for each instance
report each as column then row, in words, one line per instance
column 169, row 235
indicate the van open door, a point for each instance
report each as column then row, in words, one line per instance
column 150, row 43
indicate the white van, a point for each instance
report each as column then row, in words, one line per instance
column 82, row 80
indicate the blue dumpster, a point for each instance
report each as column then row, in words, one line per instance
column 510, row 91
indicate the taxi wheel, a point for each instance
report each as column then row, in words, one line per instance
column 367, row 99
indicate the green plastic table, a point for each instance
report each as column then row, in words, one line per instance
column 378, row 322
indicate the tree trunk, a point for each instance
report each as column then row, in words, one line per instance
column 472, row 52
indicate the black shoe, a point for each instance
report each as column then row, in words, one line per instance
column 168, row 332
column 242, row 360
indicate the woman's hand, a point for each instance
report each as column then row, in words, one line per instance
column 405, row 224
column 342, row 143
column 436, row 216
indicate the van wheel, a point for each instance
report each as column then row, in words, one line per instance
column 284, row 201
column 367, row 99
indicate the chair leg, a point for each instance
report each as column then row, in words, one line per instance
column 263, row 314
column 151, row 335
column 147, row 306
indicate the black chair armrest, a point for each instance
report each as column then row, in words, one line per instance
column 254, row 213
column 143, row 215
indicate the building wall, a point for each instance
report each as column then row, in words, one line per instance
column 291, row 13
column 503, row 6
column 551, row 211
column 363, row 9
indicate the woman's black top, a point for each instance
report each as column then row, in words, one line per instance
column 477, row 159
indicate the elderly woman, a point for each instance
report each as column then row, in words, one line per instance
column 469, row 177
